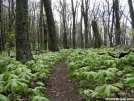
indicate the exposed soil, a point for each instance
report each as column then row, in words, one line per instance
column 60, row 87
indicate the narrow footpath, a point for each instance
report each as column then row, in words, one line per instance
column 60, row 87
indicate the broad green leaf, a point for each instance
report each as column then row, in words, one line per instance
column 26, row 75
column 39, row 98
column 87, row 92
column 15, row 85
column 107, row 90
column 10, row 67
column 19, row 70
column 130, row 81
column 40, row 84
column 4, row 98
column 100, row 76
column 37, row 91
column 89, row 75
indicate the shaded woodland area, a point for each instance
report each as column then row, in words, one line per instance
column 66, row 50
column 75, row 24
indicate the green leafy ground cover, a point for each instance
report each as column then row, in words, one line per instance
column 26, row 81
column 102, row 74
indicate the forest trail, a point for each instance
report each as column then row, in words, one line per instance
column 60, row 87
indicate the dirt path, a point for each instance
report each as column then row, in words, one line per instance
column 60, row 87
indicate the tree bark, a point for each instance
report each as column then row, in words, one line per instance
column 53, row 41
column 85, row 15
column 41, row 25
column 0, row 26
column 45, row 36
column 23, row 52
column 63, row 5
column 97, row 37
column 131, row 10
column 117, row 25
column 105, row 30
column 74, row 26
column 81, row 28
column 11, row 18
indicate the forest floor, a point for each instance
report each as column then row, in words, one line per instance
column 60, row 87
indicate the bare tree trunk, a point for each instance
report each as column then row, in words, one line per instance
column 81, row 35
column 41, row 25
column 53, row 41
column 111, row 29
column 63, row 4
column 117, row 25
column 70, row 39
column 85, row 15
column 131, row 10
column 11, row 20
column 97, row 37
column 33, row 30
column 0, row 26
column 105, row 30
column 45, row 36
column 74, row 24
column 74, row 32
column 23, row 52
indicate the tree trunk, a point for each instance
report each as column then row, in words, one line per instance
column 74, row 27
column 45, row 36
column 34, row 28
column 11, row 18
column 41, row 25
column 81, row 35
column 23, row 52
column 64, row 25
column 74, row 31
column 97, row 37
column 105, row 36
column 117, row 25
column 65, row 37
column 131, row 10
column 105, row 30
column 85, row 15
column 111, row 29
column 70, row 36
column 0, row 26
column 53, row 41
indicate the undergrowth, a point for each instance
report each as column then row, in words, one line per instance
column 27, row 81
column 101, row 74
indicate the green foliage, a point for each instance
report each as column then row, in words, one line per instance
column 39, row 98
column 100, row 73
column 26, row 75
column 16, row 85
column 129, row 81
column 7, row 76
column 40, row 84
column 19, row 70
column 4, row 98
column 89, row 75
column 26, row 80
column 37, row 91
column 3, row 63
column 11, row 35
column 103, row 91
